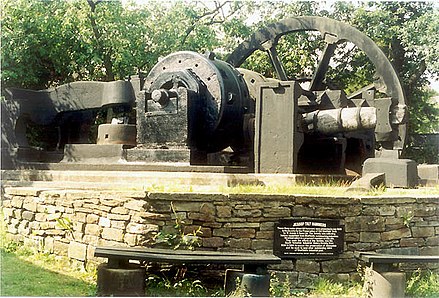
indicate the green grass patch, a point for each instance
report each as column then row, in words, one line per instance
column 21, row 277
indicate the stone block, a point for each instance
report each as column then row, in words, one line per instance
column 30, row 205
column 309, row 266
column 8, row 212
column 258, row 244
column 110, row 202
column 207, row 208
column 239, row 243
column 118, row 216
column 54, row 216
column 17, row 213
column 266, row 226
column 242, row 225
column 265, row 235
column 306, row 280
column 412, row 242
column 398, row 172
column 112, row 234
column 339, row 266
column 130, row 239
column 432, row 241
column 394, row 223
column 303, row 211
column 422, row 232
column 77, row 251
column 222, row 232
column 120, row 210
column 6, row 203
column 78, row 227
column 370, row 237
column 28, row 215
column 396, row 234
column 104, row 222
column 47, row 225
column 17, row 202
column 201, row 217
column 151, row 215
column 60, row 248
column 277, row 212
column 92, row 218
column 90, row 239
column 247, row 213
column 80, row 216
column 428, row 174
column 364, row 223
column 244, row 233
column 213, row 242
column 92, row 229
column 118, row 224
column 48, row 244
column 135, row 228
column 136, row 205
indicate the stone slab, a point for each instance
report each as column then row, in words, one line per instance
column 398, row 172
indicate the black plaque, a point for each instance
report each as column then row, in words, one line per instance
column 307, row 238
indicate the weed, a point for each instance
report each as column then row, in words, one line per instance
column 421, row 284
column 11, row 246
column 178, row 239
column 164, row 286
column 407, row 218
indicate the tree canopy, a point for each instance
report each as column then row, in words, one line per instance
column 52, row 42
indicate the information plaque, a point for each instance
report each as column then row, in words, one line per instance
column 301, row 238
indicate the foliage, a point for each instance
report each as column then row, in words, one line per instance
column 423, row 284
column 162, row 286
column 327, row 288
column 178, row 238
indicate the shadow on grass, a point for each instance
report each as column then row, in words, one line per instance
column 21, row 278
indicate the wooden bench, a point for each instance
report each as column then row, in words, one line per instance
column 118, row 275
column 381, row 280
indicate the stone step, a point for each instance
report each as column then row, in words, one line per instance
column 146, row 179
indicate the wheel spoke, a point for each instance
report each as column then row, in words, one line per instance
column 322, row 67
column 275, row 61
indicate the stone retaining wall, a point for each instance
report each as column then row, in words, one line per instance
column 73, row 222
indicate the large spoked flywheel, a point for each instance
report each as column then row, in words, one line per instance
column 387, row 93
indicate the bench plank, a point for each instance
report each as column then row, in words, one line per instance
column 184, row 256
column 371, row 257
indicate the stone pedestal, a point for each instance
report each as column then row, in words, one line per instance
column 253, row 285
column 385, row 284
column 129, row 281
column 399, row 172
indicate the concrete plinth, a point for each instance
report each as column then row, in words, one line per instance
column 399, row 172
column 385, row 285
column 253, row 285
column 129, row 281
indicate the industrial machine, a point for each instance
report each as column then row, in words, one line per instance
column 196, row 108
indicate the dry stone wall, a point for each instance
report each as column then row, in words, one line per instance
column 74, row 222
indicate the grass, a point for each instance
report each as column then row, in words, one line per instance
column 335, row 188
column 23, row 278
column 26, row 272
